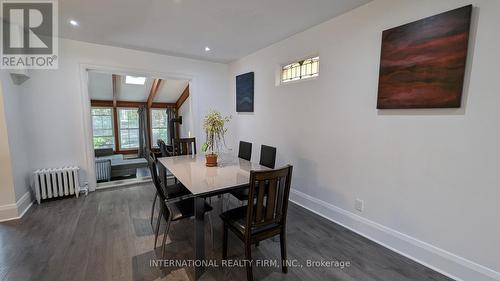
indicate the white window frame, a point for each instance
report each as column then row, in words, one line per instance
column 112, row 124
column 155, row 145
column 279, row 71
column 119, row 129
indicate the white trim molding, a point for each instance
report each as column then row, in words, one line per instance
column 17, row 210
column 442, row 261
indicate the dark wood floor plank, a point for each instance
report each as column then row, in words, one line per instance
column 107, row 236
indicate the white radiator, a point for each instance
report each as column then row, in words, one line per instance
column 59, row 182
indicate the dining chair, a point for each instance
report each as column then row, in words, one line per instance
column 263, row 219
column 173, row 190
column 267, row 159
column 245, row 150
column 185, row 146
column 267, row 156
column 173, row 206
column 163, row 173
column 165, row 150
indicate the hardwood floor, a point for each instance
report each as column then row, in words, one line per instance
column 107, row 236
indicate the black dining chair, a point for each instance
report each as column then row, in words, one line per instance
column 245, row 150
column 173, row 190
column 264, row 219
column 267, row 156
column 173, row 206
column 165, row 150
column 164, row 175
column 267, row 159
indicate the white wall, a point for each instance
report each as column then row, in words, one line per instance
column 55, row 108
column 15, row 137
column 7, row 194
column 429, row 178
column 13, row 100
column 185, row 112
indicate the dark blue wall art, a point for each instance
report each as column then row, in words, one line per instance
column 244, row 92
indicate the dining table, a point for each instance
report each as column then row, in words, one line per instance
column 230, row 173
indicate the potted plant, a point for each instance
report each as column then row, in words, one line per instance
column 215, row 130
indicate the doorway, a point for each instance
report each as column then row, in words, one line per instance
column 130, row 113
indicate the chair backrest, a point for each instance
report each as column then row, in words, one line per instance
column 267, row 156
column 162, row 171
column 163, row 148
column 245, row 150
column 272, row 189
column 186, row 146
column 154, row 176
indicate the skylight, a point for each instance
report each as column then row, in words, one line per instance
column 135, row 80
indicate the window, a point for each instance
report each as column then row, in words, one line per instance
column 102, row 127
column 128, row 128
column 134, row 80
column 159, row 126
column 299, row 70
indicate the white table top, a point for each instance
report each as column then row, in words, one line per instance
column 200, row 179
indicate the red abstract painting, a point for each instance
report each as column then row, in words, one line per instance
column 422, row 63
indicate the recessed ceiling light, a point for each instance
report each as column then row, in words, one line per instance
column 207, row 49
column 135, row 80
column 73, row 22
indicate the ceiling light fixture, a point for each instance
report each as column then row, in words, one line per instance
column 135, row 80
column 207, row 49
column 73, row 22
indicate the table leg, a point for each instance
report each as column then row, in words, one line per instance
column 199, row 229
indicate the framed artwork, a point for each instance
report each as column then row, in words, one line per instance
column 244, row 92
column 422, row 64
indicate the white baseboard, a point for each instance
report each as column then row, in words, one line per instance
column 442, row 261
column 17, row 210
column 8, row 212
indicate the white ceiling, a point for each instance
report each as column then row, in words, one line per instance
column 170, row 90
column 101, row 88
column 231, row 28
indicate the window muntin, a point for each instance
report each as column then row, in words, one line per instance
column 128, row 128
column 299, row 70
column 102, row 127
column 159, row 126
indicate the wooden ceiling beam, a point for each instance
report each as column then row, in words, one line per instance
column 183, row 97
column 152, row 93
column 108, row 103
column 163, row 105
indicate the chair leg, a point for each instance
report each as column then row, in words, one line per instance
column 153, row 208
column 248, row 256
column 210, row 222
column 165, row 234
column 157, row 230
column 224, row 241
column 283, row 252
